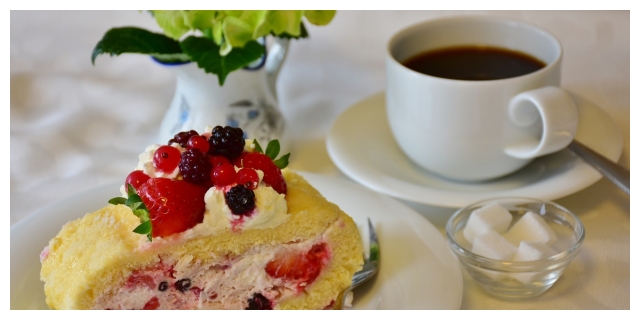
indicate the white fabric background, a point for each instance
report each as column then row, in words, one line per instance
column 75, row 126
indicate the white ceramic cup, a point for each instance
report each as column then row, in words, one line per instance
column 477, row 130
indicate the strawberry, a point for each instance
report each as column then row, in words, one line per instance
column 259, row 161
column 300, row 267
column 174, row 205
column 152, row 304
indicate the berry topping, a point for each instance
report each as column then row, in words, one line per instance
column 258, row 161
column 218, row 160
column 136, row 179
column 195, row 166
column 226, row 141
column 240, row 199
column 183, row 137
column 183, row 284
column 163, row 286
column 166, row 159
column 139, row 279
column 258, row 302
column 299, row 267
column 249, row 178
column 173, row 205
column 198, row 142
column 223, row 175
column 152, row 304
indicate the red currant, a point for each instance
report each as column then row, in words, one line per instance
column 166, row 159
column 198, row 142
column 136, row 179
column 223, row 175
column 218, row 160
column 248, row 177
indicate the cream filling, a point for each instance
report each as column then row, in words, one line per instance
column 219, row 284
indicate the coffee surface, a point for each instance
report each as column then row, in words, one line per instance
column 474, row 63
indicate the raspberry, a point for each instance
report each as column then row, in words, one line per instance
column 182, row 138
column 240, row 199
column 195, row 166
column 227, row 141
column 258, row 302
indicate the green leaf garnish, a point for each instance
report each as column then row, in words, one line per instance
column 257, row 146
column 273, row 148
column 117, row 200
column 143, row 228
column 283, row 162
column 135, row 40
column 138, row 208
column 206, row 54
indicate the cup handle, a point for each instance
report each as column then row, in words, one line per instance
column 559, row 115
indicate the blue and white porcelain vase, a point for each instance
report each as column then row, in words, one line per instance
column 247, row 100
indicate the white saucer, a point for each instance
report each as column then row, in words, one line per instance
column 361, row 145
column 417, row 269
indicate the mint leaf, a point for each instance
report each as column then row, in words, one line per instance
column 283, row 162
column 257, row 146
column 273, row 148
column 206, row 54
column 135, row 40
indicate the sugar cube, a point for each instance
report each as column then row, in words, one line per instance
column 493, row 246
column 492, row 217
column 529, row 251
column 532, row 228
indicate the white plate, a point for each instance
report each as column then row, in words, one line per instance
column 417, row 269
column 361, row 145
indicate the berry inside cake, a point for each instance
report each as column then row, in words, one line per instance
column 206, row 221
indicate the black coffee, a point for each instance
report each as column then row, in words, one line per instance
column 474, row 63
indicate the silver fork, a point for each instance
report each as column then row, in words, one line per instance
column 369, row 269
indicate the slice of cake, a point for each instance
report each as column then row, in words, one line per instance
column 206, row 222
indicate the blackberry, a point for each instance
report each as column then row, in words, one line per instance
column 240, row 199
column 258, row 302
column 183, row 284
column 227, row 142
column 183, row 137
column 195, row 166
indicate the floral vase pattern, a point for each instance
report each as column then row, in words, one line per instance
column 247, row 100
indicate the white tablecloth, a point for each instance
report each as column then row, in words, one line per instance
column 75, row 126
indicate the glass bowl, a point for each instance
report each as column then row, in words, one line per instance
column 514, row 280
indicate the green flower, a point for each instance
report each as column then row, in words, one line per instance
column 219, row 41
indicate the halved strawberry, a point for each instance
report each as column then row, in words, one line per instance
column 174, row 205
column 259, row 161
column 300, row 267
